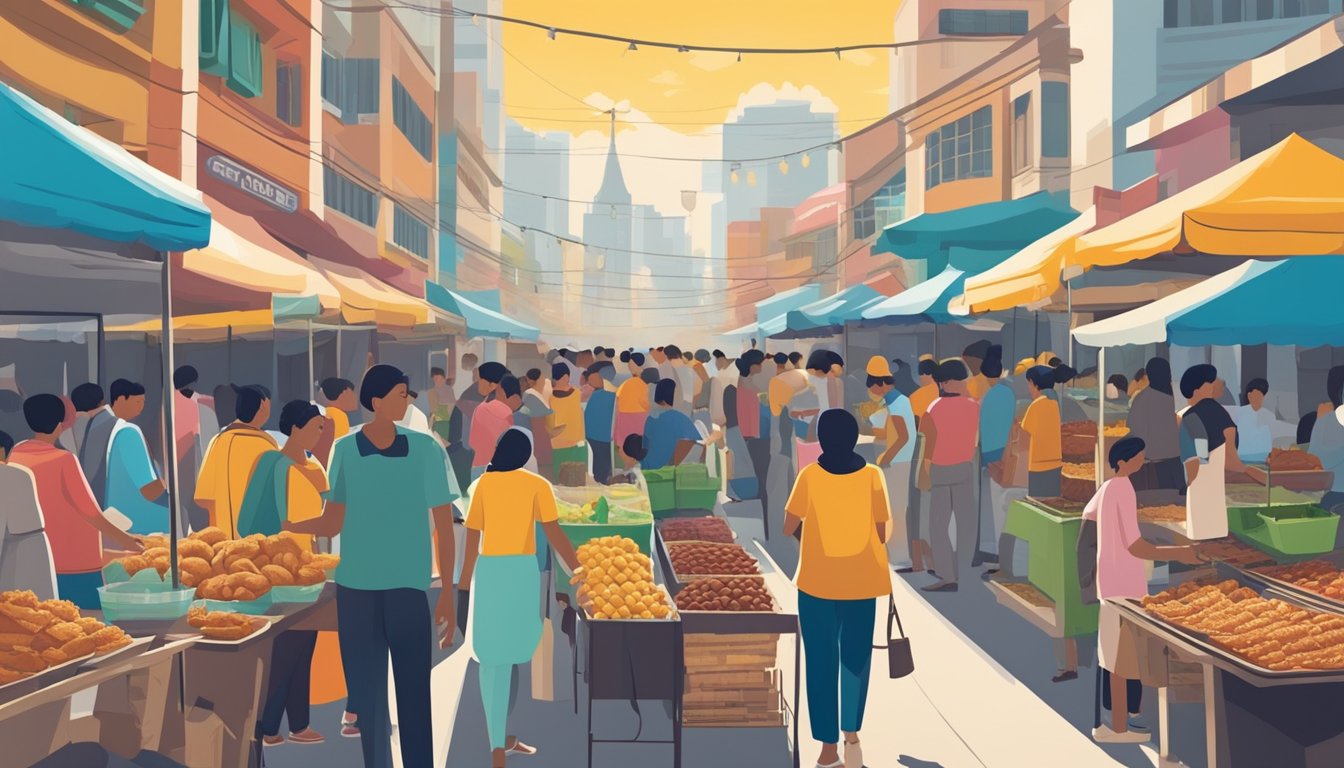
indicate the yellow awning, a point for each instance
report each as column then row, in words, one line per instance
column 1028, row 277
column 244, row 254
column 366, row 299
column 209, row 324
column 1286, row 201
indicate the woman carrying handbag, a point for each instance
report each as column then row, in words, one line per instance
column 840, row 503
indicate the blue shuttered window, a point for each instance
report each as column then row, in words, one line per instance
column 215, row 37
column 345, row 196
column 289, row 92
column 967, row 22
column 409, row 232
column 1054, row 119
column 350, row 86
column 411, row 120
column 245, row 76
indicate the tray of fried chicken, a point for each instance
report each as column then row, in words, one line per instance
column 224, row 627
column 245, row 575
column 1259, row 630
column 43, row 641
column 1320, row 579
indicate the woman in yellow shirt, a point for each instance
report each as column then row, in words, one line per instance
column 1041, row 424
column 266, row 505
column 506, row 507
column 841, row 505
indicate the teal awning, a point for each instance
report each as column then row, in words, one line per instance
column 295, row 307
column 922, row 303
column 481, row 321
column 1289, row 302
column 1007, row 225
column 57, row 175
column 787, row 301
column 825, row 317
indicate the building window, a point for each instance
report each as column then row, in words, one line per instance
column 350, row 87
column 1231, row 11
column 1022, row 154
column 966, row 22
column 244, row 48
column 409, row 232
column 411, row 120
column 800, row 250
column 1198, row 13
column 1054, row 119
column 885, row 207
column 963, row 149
column 214, row 54
column 825, row 253
column 345, row 196
column 289, row 92
column 1201, row 13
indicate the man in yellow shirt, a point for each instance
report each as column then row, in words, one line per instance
column 922, row 398
column 232, row 456
column 568, row 441
column 974, row 357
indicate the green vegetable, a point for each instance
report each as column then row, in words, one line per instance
column 600, row 511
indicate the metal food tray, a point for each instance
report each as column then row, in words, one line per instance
column 659, row 526
column 675, row 615
column 1054, row 510
column 264, row 621
column 39, row 680
column 137, row 646
column 676, row 581
column 774, row 621
column 1318, row 601
column 1224, row 659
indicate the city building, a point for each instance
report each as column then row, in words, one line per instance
column 873, row 171
column 757, row 266
column 608, row 238
column 536, row 191
column 813, row 236
column 480, row 194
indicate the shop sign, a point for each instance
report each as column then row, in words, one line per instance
column 252, row 183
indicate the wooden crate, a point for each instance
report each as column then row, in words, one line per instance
column 732, row 681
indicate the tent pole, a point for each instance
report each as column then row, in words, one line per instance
column 312, row 394
column 169, row 434
column 228, row 354
column 1101, row 410
column 1068, row 290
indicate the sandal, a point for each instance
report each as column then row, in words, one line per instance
column 520, row 749
column 273, row 741
column 836, row 764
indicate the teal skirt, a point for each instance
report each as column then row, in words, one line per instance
column 505, row 612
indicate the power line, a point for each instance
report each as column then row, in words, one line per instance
column 554, row 31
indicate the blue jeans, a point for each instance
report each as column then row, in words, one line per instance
column 374, row 624
column 838, row 644
column 290, row 682
column 80, row 589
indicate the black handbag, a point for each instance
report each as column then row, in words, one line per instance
column 900, row 661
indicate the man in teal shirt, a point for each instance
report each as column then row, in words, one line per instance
column 133, row 486
column 386, row 482
column 998, row 411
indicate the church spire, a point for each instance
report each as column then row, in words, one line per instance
column 613, row 190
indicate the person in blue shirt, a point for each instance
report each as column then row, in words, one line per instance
column 387, row 481
column 893, row 425
column 599, row 421
column 133, row 486
column 998, row 411
column 669, row 435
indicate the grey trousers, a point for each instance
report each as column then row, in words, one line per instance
column 953, row 496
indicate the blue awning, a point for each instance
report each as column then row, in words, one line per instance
column 1007, row 225
column 780, row 303
column 922, row 303
column 57, row 175
column 825, row 317
column 1289, row 302
column 481, row 321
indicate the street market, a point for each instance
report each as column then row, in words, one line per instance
column 428, row 384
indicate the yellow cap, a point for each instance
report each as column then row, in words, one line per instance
column 922, row 358
column 879, row 367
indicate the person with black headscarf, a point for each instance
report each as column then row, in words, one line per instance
column 1152, row 416
column 840, row 506
column 500, row 573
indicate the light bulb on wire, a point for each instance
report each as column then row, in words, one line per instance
column 806, row 161
column 733, row 177
column 751, row 178
column 784, row 167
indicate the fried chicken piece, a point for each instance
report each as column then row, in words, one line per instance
column 10, row 626
column 277, row 576
column 211, row 535
column 241, row 565
column 109, row 639
column 8, row 675
column 194, row 548
column 134, row 564
column 308, row 575
column 24, row 598
column 325, row 562
column 229, row 634
column 27, row 617
column 10, row 640
column 198, row 567
column 89, row 624
column 23, row 660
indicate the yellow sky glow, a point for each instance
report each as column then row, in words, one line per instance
column 691, row 92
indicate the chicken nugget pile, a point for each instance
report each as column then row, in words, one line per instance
column 695, row 559
column 221, row 568
column 1292, row 460
column 1314, row 576
column 1268, row 633
column 36, row 634
column 1166, row 513
column 618, row 581
column 220, row 625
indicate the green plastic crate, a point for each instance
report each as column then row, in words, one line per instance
column 1300, row 530
column 662, row 489
column 698, row 498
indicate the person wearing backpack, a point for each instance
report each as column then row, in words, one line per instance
column 287, row 486
column 1120, row 575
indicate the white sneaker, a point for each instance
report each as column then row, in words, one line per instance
column 1103, row 734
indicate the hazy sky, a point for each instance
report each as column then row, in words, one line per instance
column 678, row 100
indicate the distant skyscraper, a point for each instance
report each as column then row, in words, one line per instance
column 663, row 247
column 765, row 131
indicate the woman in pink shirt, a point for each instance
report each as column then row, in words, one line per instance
column 951, row 429
column 75, row 523
column 1121, row 552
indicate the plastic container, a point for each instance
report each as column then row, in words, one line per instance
column 143, row 601
column 1300, row 530
column 250, row 607
column 662, row 489
column 296, row 594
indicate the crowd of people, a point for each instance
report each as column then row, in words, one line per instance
column 916, row 476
